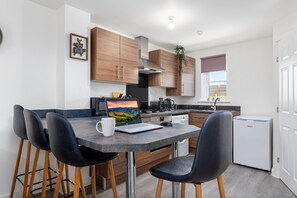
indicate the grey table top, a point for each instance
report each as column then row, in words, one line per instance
column 87, row 135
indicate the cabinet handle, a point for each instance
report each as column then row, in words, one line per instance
column 123, row 73
column 183, row 88
column 118, row 72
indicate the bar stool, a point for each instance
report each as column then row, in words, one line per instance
column 65, row 148
column 20, row 130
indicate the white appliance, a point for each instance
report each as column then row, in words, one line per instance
column 253, row 141
column 183, row 146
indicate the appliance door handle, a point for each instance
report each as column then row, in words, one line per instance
column 183, row 141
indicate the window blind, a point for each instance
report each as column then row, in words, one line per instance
column 213, row 63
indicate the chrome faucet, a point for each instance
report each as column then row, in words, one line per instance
column 214, row 107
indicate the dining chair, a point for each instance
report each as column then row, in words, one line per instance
column 65, row 148
column 19, row 129
column 211, row 159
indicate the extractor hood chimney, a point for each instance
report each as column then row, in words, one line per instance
column 145, row 66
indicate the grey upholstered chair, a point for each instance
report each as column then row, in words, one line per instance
column 212, row 157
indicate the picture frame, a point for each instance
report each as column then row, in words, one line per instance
column 78, row 47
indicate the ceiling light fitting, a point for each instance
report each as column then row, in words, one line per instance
column 171, row 24
column 199, row 32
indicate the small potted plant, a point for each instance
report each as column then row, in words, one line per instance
column 180, row 52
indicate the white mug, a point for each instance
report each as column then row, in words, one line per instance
column 108, row 125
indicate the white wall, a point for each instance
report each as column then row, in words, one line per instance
column 249, row 75
column 27, row 74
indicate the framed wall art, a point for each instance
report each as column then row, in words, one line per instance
column 78, row 47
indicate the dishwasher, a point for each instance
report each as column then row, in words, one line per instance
column 253, row 141
column 183, row 146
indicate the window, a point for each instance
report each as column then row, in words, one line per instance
column 213, row 78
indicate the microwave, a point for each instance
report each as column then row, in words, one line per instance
column 98, row 106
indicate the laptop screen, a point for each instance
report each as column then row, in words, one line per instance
column 125, row 111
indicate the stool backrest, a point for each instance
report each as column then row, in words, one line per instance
column 35, row 130
column 19, row 126
column 214, row 148
column 62, row 139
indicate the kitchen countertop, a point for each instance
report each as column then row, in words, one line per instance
column 87, row 135
column 182, row 111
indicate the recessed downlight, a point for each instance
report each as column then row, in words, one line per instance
column 171, row 24
column 199, row 32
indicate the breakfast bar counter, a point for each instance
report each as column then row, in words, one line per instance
column 87, row 135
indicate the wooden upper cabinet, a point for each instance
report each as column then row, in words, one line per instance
column 113, row 57
column 185, row 80
column 168, row 61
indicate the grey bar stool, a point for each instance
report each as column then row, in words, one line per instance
column 65, row 148
column 212, row 157
column 20, row 130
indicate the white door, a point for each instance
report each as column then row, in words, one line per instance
column 288, row 109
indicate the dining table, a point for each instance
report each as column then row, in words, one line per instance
column 87, row 135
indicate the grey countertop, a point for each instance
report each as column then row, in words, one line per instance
column 87, row 135
column 182, row 111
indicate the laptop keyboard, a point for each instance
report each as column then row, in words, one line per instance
column 137, row 127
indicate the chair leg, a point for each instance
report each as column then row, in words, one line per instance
column 159, row 188
column 112, row 178
column 67, row 178
column 82, row 186
column 63, row 187
column 221, row 186
column 50, row 174
column 33, row 172
column 183, row 190
column 76, row 182
column 27, row 170
column 93, row 174
column 198, row 188
column 16, row 169
column 45, row 172
column 61, row 167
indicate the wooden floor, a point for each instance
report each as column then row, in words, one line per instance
column 240, row 182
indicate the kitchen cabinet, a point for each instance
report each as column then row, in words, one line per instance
column 113, row 57
column 144, row 161
column 168, row 61
column 196, row 119
column 185, row 80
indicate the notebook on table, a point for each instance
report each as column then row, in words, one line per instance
column 127, row 115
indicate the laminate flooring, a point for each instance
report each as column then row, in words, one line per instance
column 239, row 181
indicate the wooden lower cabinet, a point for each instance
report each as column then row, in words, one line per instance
column 144, row 161
column 196, row 119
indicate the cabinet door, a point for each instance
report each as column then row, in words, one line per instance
column 129, row 72
column 105, row 55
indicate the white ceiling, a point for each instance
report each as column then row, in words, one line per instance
column 222, row 21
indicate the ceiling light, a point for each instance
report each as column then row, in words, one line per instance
column 199, row 32
column 171, row 24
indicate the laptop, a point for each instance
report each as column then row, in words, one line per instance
column 127, row 115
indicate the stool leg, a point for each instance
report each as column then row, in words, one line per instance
column 67, row 178
column 198, row 188
column 63, row 187
column 93, row 175
column 221, row 186
column 27, row 170
column 45, row 170
column 112, row 178
column 16, row 169
column 61, row 167
column 76, row 182
column 49, row 174
column 183, row 190
column 82, row 186
column 33, row 172
column 159, row 188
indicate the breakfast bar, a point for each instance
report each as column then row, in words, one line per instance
column 87, row 136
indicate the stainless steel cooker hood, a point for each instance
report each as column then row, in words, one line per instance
column 145, row 66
